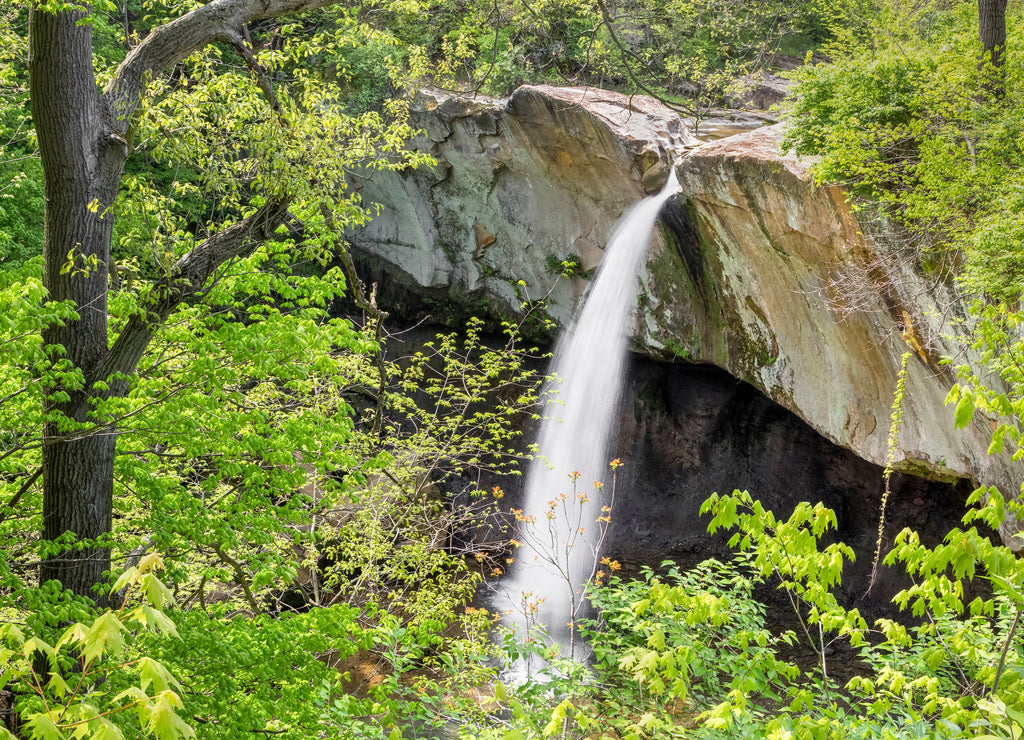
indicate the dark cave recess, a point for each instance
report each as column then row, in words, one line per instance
column 687, row 431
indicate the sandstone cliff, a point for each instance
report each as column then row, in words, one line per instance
column 755, row 270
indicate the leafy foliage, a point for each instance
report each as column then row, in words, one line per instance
column 690, row 654
column 298, row 497
column 681, row 642
column 93, row 679
column 902, row 123
column 311, row 502
column 233, row 434
column 21, row 196
column 691, row 52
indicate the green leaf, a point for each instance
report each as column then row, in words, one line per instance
column 162, row 718
column 156, row 592
column 153, row 619
column 57, row 685
column 106, row 731
column 34, row 644
column 125, row 579
column 657, row 640
column 134, row 693
column 153, row 673
column 12, row 631
column 964, row 411
column 1015, row 714
column 74, row 633
column 44, row 728
column 103, row 637
column 558, row 717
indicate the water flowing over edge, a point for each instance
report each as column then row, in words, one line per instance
column 561, row 521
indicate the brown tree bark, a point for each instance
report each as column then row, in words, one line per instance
column 82, row 142
column 992, row 34
column 81, row 169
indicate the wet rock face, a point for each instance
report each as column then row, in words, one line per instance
column 688, row 431
column 755, row 270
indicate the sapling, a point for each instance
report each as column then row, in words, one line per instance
column 574, row 560
column 68, row 685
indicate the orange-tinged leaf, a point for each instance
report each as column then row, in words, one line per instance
column 151, row 561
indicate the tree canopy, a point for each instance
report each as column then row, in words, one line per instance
column 181, row 393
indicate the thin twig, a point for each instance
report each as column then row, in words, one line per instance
column 1002, row 653
column 21, row 491
column 258, row 72
column 627, row 54
column 239, row 576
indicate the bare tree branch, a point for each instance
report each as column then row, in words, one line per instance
column 369, row 305
column 240, row 577
column 21, row 491
column 628, row 54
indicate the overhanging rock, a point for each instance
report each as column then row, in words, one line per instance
column 755, row 270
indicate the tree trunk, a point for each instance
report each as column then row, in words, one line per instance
column 82, row 145
column 82, row 167
column 992, row 34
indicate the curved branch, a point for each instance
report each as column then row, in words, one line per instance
column 628, row 54
column 240, row 576
column 369, row 305
column 187, row 278
column 258, row 72
column 32, row 479
column 172, row 42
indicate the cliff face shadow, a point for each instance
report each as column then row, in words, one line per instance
column 687, row 431
column 690, row 430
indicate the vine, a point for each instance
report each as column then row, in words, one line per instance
column 894, row 434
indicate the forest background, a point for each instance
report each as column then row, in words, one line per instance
column 220, row 491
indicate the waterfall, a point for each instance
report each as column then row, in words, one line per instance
column 560, row 534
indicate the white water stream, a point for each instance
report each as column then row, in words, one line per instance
column 562, row 536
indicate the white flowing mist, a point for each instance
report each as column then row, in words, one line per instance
column 560, row 532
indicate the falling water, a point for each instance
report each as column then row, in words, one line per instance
column 556, row 558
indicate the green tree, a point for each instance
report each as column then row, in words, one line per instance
column 85, row 136
column 21, row 201
column 689, row 53
column 175, row 374
column 992, row 35
column 276, row 505
column 898, row 119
